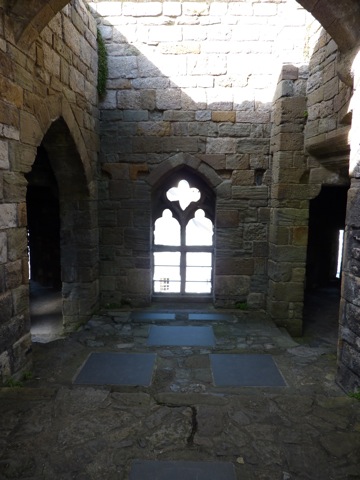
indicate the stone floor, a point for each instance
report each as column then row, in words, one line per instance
column 52, row 428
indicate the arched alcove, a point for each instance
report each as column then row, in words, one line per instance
column 58, row 178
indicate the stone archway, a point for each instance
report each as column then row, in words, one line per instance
column 78, row 232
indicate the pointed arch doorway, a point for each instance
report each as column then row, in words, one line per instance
column 183, row 212
column 43, row 231
column 62, row 228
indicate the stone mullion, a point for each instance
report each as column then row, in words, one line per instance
column 288, row 207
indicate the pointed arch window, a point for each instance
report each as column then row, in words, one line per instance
column 183, row 237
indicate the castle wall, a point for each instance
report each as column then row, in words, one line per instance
column 53, row 78
column 196, row 80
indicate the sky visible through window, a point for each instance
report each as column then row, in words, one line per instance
column 170, row 266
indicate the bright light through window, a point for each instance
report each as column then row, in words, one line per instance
column 167, row 230
column 183, row 246
column 183, row 194
column 340, row 253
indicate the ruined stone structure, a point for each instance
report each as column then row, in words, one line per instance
column 254, row 103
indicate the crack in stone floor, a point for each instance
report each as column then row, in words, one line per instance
column 52, row 428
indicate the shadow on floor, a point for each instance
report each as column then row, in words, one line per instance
column 45, row 313
column 321, row 315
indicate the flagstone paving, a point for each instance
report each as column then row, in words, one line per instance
column 51, row 428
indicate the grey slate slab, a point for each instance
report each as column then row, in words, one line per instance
column 179, row 470
column 152, row 317
column 181, row 336
column 245, row 370
column 117, row 369
column 211, row 317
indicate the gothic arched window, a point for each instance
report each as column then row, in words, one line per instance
column 183, row 232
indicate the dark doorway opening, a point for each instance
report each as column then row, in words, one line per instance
column 324, row 257
column 43, row 214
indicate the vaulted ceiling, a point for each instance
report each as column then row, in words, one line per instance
column 340, row 18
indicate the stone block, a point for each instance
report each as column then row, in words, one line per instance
column 172, row 9
column 8, row 215
column 17, row 243
column 221, row 145
column 178, row 116
column 238, row 161
column 285, row 88
column 331, row 88
column 111, row 236
column 22, row 353
column 288, row 253
column 149, row 9
column 223, row 116
column 280, row 272
column 169, row 33
column 148, row 100
column 137, row 239
column 139, row 282
column 243, row 177
column 4, row 155
column 289, row 72
column 14, row 185
column 255, row 193
column 260, row 249
column 13, row 274
column 227, row 218
column 30, row 129
column 224, row 191
column 255, row 232
column 351, row 288
column 3, row 247
column 134, row 115
column 279, row 235
column 300, row 236
column 352, row 211
column 182, row 48
column 178, row 144
column 5, row 366
column 22, row 214
column 229, row 129
column 256, row 145
column 350, row 356
column 6, row 310
column 234, row 266
column 288, row 142
column 20, row 298
column 290, row 217
column 128, row 99
column 207, row 65
column 232, row 285
column 352, row 318
column 147, row 144
column 288, row 192
column 217, row 162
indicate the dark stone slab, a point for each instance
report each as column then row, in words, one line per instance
column 245, row 370
column 181, row 336
column 171, row 470
column 117, row 369
column 152, row 317
column 211, row 317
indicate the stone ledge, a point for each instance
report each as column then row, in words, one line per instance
column 332, row 143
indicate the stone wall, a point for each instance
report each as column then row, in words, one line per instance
column 349, row 332
column 196, row 79
column 48, row 95
column 311, row 110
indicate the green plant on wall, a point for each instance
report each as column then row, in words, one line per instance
column 102, row 65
